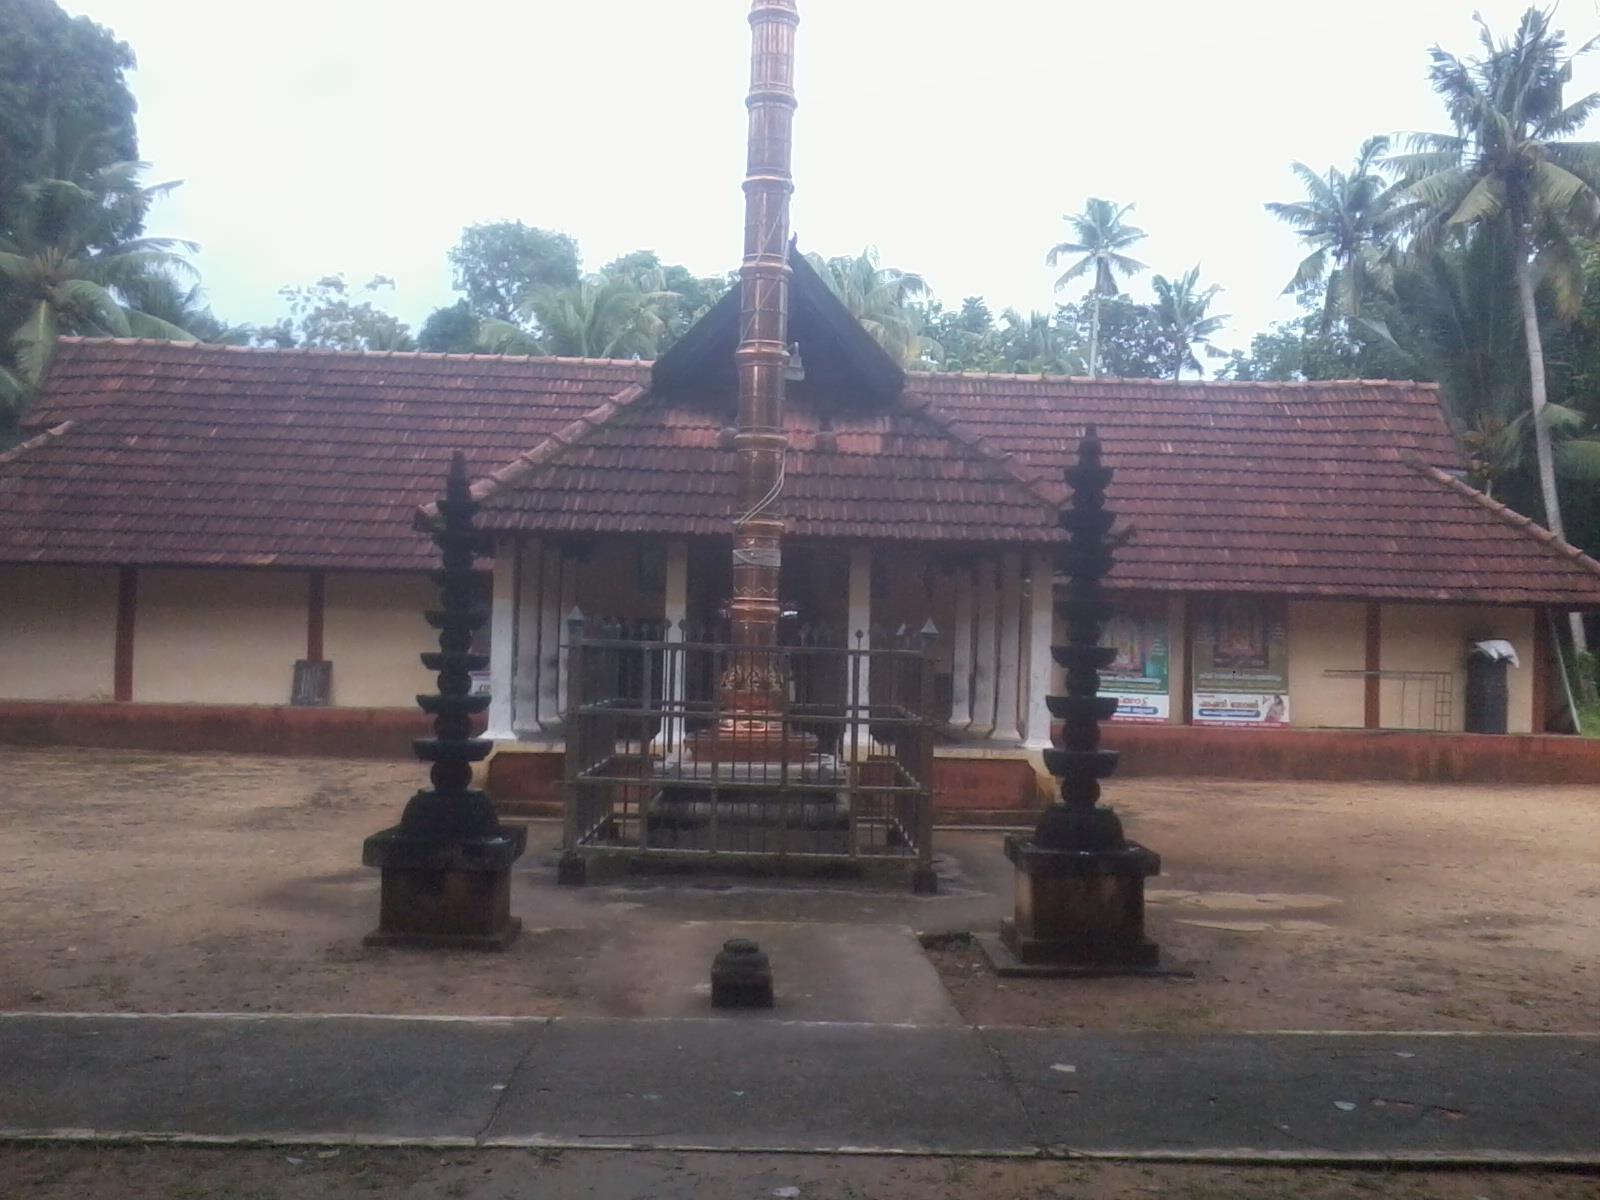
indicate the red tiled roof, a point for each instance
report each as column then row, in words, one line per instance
column 158, row 453
column 656, row 466
column 1298, row 488
column 185, row 455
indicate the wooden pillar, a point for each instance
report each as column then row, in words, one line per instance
column 983, row 662
column 1190, row 605
column 1177, row 658
column 127, row 609
column 502, row 641
column 1373, row 696
column 675, row 610
column 316, row 614
column 1008, row 666
column 1542, row 656
column 1041, row 629
column 961, row 651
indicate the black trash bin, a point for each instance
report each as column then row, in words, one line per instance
column 1487, row 691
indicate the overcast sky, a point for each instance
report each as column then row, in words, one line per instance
column 318, row 136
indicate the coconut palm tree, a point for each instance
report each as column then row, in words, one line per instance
column 63, row 268
column 1509, row 156
column 1102, row 235
column 1349, row 221
column 1182, row 315
column 181, row 304
column 883, row 299
column 600, row 316
column 1035, row 344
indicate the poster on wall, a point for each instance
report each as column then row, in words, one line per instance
column 1137, row 677
column 1241, row 663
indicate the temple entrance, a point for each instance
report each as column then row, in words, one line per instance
column 663, row 764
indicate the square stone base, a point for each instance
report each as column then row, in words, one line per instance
column 1004, row 963
column 469, row 909
column 1080, row 909
column 445, row 895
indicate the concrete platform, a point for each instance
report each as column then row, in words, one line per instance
column 747, row 1082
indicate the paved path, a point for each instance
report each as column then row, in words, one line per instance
column 753, row 1083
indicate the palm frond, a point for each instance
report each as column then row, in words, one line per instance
column 1485, row 198
column 146, row 326
column 1578, row 459
column 1309, row 273
column 34, row 341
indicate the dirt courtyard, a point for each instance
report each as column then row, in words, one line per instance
column 211, row 882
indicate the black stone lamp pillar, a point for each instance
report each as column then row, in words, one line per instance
column 447, row 865
column 1080, row 882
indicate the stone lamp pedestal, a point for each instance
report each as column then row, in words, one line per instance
column 1079, row 881
column 447, row 864
column 1080, row 910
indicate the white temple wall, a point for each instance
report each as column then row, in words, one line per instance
column 374, row 632
column 58, row 630
column 207, row 636
column 1326, row 636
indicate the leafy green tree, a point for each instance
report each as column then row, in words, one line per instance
column 691, row 296
column 1302, row 349
column 452, row 329
column 64, row 267
column 965, row 336
column 499, row 265
column 331, row 315
column 1132, row 343
column 1510, row 154
column 1102, row 235
column 1033, row 344
column 1183, row 314
column 1350, row 224
column 66, row 72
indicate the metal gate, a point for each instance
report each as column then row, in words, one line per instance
column 660, row 765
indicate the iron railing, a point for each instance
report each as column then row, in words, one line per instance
column 1421, row 700
column 662, row 762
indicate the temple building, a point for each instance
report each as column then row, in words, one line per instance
column 192, row 536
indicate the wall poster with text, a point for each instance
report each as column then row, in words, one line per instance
column 1137, row 677
column 1241, row 662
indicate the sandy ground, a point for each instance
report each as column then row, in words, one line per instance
column 225, row 883
column 289, row 1173
column 1343, row 906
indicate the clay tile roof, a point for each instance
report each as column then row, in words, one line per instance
column 1294, row 488
column 661, row 466
column 164, row 453
column 183, row 454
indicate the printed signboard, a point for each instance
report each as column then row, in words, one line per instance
column 1241, row 663
column 1137, row 677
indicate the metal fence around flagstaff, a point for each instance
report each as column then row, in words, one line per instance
column 846, row 779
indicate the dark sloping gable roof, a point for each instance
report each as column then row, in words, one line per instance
column 185, row 455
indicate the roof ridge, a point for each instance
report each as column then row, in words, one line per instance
column 1122, row 380
column 324, row 352
column 553, row 446
column 1510, row 516
column 49, row 435
column 1034, row 481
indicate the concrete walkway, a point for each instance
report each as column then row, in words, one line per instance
column 752, row 1083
